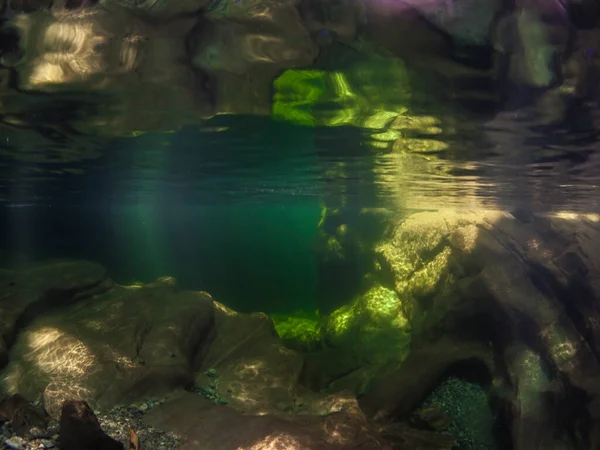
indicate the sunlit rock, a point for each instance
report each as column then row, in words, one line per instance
column 358, row 340
column 111, row 349
column 372, row 318
column 369, row 94
column 40, row 288
column 487, row 287
column 419, row 254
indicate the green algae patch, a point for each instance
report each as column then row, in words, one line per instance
column 300, row 331
column 370, row 94
column 373, row 321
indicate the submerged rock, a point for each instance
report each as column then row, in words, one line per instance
column 206, row 426
column 244, row 362
column 404, row 437
column 119, row 346
column 359, row 339
column 516, row 295
column 79, row 428
column 37, row 289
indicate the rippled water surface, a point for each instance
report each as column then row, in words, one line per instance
column 416, row 127
column 501, row 163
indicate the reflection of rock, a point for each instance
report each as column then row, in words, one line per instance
column 515, row 295
column 139, row 68
column 113, row 348
column 205, row 426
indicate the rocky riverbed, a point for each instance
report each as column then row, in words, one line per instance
column 116, row 423
column 511, row 301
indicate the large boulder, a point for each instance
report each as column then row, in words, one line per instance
column 113, row 348
column 36, row 289
column 522, row 293
column 256, row 372
column 359, row 339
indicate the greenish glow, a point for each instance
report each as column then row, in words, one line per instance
column 370, row 94
column 301, row 330
column 296, row 91
column 372, row 319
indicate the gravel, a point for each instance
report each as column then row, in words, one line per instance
column 467, row 405
column 211, row 388
column 115, row 423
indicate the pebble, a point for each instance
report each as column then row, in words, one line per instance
column 15, row 443
column 35, row 433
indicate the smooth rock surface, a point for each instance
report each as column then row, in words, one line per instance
column 215, row 427
column 522, row 292
column 114, row 348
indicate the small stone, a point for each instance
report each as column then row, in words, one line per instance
column 52, row 427
column 37, row 432
column 47, row 443
column 211, row 373
column 143, row 407
column 15, row 442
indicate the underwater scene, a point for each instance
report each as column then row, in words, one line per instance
column 300, row 224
